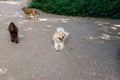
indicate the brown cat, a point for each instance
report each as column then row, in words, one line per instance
column 29, row 11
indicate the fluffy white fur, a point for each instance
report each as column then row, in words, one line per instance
column 59, row 38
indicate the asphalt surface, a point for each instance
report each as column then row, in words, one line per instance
column 92, row 51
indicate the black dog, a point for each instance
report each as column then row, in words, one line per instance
column 13, row 32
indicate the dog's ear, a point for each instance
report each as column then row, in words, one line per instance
column 12, row 24
column 23, row 8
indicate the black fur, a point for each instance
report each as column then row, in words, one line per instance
column 13, row 30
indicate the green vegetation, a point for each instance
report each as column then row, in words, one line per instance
column 95, row 8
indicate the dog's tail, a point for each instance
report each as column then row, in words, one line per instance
column 67, row 33
column 37, row 12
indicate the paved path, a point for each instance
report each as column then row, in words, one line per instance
column 91, row 53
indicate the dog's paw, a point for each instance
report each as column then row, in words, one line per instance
column 12, row 40
column 16, row 42
column 61, row 47
column 57, row 49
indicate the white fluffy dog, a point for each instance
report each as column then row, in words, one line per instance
column 59, row 38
